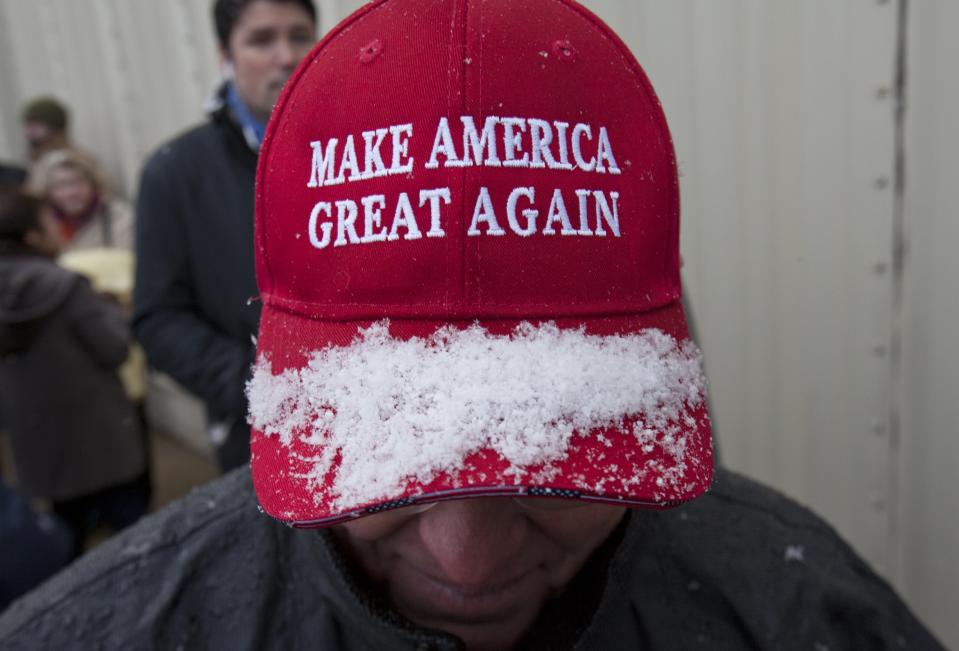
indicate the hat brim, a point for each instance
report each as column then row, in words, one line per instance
column 601, row 465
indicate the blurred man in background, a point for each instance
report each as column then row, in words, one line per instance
column 46, row 128
column 45, row 122
column 195, row 271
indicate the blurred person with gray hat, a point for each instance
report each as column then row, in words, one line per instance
column 46, row 128
column 46, row 124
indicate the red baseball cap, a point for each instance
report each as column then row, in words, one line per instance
column 467, row 240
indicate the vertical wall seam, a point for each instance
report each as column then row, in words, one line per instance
column 899, row 252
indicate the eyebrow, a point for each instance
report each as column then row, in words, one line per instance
column 271, row 31
column 260, row 32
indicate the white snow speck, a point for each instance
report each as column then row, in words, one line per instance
column 794, row 553
column 398, row 411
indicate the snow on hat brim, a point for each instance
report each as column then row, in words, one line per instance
column 354, row 418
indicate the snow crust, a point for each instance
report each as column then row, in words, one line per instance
column 383, row 412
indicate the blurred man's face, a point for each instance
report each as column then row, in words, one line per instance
column 266, row 43
column 36, row 133
column 479, row 568
column 40, row 137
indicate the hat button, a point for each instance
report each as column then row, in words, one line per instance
column 370, row 51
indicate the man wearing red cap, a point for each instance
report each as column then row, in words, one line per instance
column 474, row 377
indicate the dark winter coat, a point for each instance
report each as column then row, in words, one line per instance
column 33, row 545
column 72, row 428
column 195, row 274
column 740, row 568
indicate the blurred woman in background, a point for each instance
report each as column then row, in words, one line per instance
column 97, row 231
column 87, row 215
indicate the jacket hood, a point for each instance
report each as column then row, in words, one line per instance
column 31, row 288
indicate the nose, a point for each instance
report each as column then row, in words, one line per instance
column 474, row 542
column 286, row 53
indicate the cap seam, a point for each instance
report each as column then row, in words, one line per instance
column 476, row 294
column 282, row 104
column 292, row 305
column 464, row 290
column 643, row 84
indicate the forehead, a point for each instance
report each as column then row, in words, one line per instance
column 267, row 14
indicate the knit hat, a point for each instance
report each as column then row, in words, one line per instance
column 467, row 241
column 48, row 111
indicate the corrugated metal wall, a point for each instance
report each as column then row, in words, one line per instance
column 832, row 376
column 928, row 519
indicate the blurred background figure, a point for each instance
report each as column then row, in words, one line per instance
column 33, row 545
column 195, row 273
column 12, row 174
column 87, row 214
column 75, row 436
column 45, row 123
column 96, row 230
column 46, row 128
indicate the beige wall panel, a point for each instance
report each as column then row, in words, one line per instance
column 930, row 381
column 783, row 126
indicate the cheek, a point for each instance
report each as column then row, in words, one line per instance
column 579, row 531
column 578, row 535
column 250, row 71
column 367, row 544
column 302, row 50
column 59, row 195
column 84, row 192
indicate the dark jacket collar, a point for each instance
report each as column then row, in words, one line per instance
column 218, row 110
